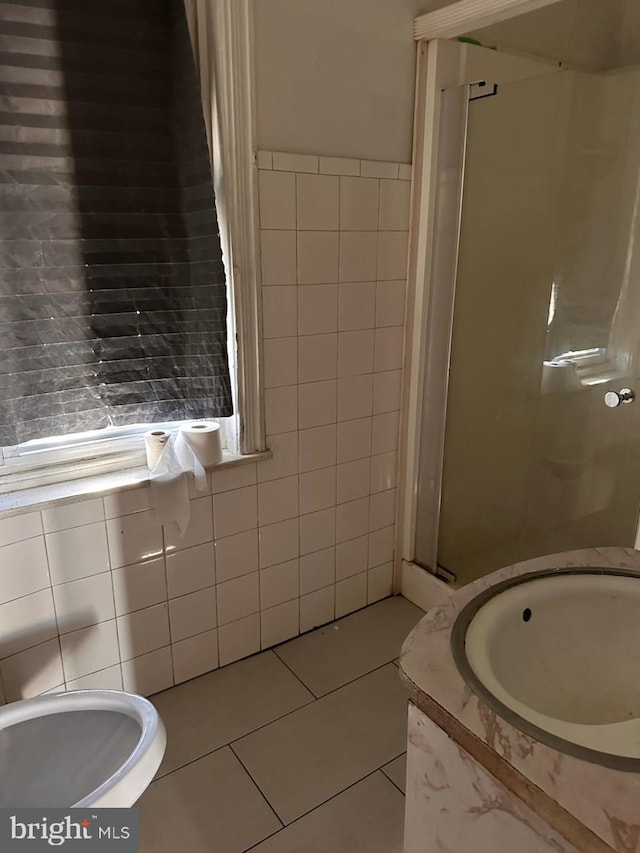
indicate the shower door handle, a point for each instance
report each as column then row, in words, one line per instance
column 614, row 398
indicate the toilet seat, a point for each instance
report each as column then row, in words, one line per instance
column 83, row 748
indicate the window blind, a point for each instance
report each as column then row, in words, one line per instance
column 112, row 290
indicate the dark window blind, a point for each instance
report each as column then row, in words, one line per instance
column 112, row 289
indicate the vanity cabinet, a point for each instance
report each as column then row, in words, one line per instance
column 454, row 805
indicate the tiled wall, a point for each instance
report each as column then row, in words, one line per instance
column 334, row 255
column 94, row 593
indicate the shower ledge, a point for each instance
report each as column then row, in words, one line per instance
column 476, row 784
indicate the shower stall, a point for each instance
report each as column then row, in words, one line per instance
column 529, row 426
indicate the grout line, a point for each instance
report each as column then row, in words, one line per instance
column 273, row 650
column 276, row 719
column 262, row 794
column 267, row 837
column 235, row 740
column 324, row 802
column 357, row 678
column 295, row 674
column 391, row 780
column 329, row 692
column 157, row 778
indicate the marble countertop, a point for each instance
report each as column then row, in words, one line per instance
column 596, row 806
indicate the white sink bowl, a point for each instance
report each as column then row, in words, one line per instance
column 557, row 654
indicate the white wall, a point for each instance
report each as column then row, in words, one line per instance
column 629, row 42
column 582, row 34
column 336, row 77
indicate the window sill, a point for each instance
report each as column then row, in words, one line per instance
column 98, row 485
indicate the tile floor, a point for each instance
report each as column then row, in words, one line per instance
column 299, row 748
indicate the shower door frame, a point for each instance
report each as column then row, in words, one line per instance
column 440, row 65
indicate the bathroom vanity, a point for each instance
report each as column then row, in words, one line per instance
column 476, row 781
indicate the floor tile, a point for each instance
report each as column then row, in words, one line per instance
column 221, row 706
column 308, row 756
column 210, row 805
column 347, row 649
column 367, row 818
column 396, row 770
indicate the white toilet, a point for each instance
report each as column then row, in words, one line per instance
column 82, row 748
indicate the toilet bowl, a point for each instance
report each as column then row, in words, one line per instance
column 83, row 748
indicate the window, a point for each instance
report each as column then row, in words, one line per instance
column 114, row 307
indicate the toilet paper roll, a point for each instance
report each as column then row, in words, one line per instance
column 204, row 439
column 155, row 442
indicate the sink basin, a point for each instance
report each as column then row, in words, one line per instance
column 557, row 655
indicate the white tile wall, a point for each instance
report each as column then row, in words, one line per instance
column 295, row 162
column 317, row 309
column 277, row 195
column 26, row 568
column 238, row 598
column 280, row 623
column 279, row 542
column 317, row 530
column 352, row 519
column 236, row 555
column 279, row 312
column 318, row 202
column 339, row 393
column 279, row 583
column 379, row 170
column 355, row 397
column 140, row 585
column 358, row 255
column 281, row 409
column 143, row 631
column 351, row 594
column 84, row 602
column 277, row 500
column 317, row 447
column 20, row 528
column 195, row 656
column 192, row 614
column 239, row 639
column 190, row 570
column 317, row 257
column 339, row 166
column 95, row 593
column 235, row 511
column 317, row 403
column 351, row 558
column 317, row 570
column 89, row 649
column 359, row 204
column 379, row 582
column 354, row 439
column 32, row 672
column 317, row 608
column 149, row 673
column 356, row 305
column 27, row 621
column 279, row 264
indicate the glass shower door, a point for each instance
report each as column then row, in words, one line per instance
column 546, row 322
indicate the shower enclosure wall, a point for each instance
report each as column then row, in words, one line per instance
column 534, row 316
